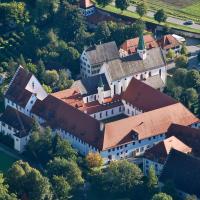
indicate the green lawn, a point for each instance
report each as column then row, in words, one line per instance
column 183, row 9
column 5, row 161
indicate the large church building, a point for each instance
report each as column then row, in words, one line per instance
column 119, row 112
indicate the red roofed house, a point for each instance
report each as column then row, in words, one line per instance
column 168, row 42
column 130, row 46
column 87, row 7
column 157, row 155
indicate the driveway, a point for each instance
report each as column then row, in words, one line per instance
column 193, row 46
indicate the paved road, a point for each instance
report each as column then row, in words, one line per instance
column 174, row 20
column 169, row 19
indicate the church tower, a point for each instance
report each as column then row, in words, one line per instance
column 100, row 90
column 141, row 50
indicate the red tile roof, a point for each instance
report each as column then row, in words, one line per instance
column 160, row 151
column 168, row 42
column 61, row 115
column 147, row 124
column 131, row 45
column 144, row 97
column 74, row 98
column 190, row 136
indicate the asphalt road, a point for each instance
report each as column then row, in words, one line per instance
column 174, row 20
column 169, row 19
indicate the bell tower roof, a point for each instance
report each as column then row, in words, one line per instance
column 100, row 84
column 141, row 44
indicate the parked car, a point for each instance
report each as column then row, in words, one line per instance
column 189, row 22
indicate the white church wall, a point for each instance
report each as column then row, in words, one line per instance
column 20, row 143
column 108, row 113
column 135, row 148
column 76, row 143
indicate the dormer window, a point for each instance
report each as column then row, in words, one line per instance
column 33, row 85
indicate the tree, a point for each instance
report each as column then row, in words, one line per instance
column 61, row 188
column 62, row 148
column 64, row 82
column 45, row 9
column 141, row 9
column 184, row 50
column 179, row 76
column 40, row 70
column 4, row 193
column 103, row 3
column 47, row 88
column 51, row 77
column 152, row 178
column 13, row 14
column 160, row 16
column 176, row 92
column 162, row 196
column 39, row 145
column 20, row 176
column 191, row 96
column 68, row 169
column 193, row 79
column 122, row 4
column 40, row 186
column 191, row 197
column 121, row 177
column 181, row 61
column 102, row 33
column 171, row 54
column 94, row 160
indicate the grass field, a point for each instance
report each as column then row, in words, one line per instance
column 5, row 161
column 183, row 9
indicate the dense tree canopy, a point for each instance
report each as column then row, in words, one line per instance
column 162, row 196
column 122, row 4
column 21, row 176
column 141, row 9
column 160, row 16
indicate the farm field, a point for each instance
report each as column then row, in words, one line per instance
column 183, row 9
column 5, row 161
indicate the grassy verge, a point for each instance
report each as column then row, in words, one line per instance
column 182, row 11
column 113, row 9
column 5, row 161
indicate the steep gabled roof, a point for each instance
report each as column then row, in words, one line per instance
column 190, row 136
column 86, row 4
column 168, row 42
column 16, row 91
column 160, row 151
column 183, row 170
column 88, row 86
column 147, row 124
column 131, row 45
column 100, row 53
column 133, row 64
column 61, row 115
column 17, row 120
column 145, row 97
